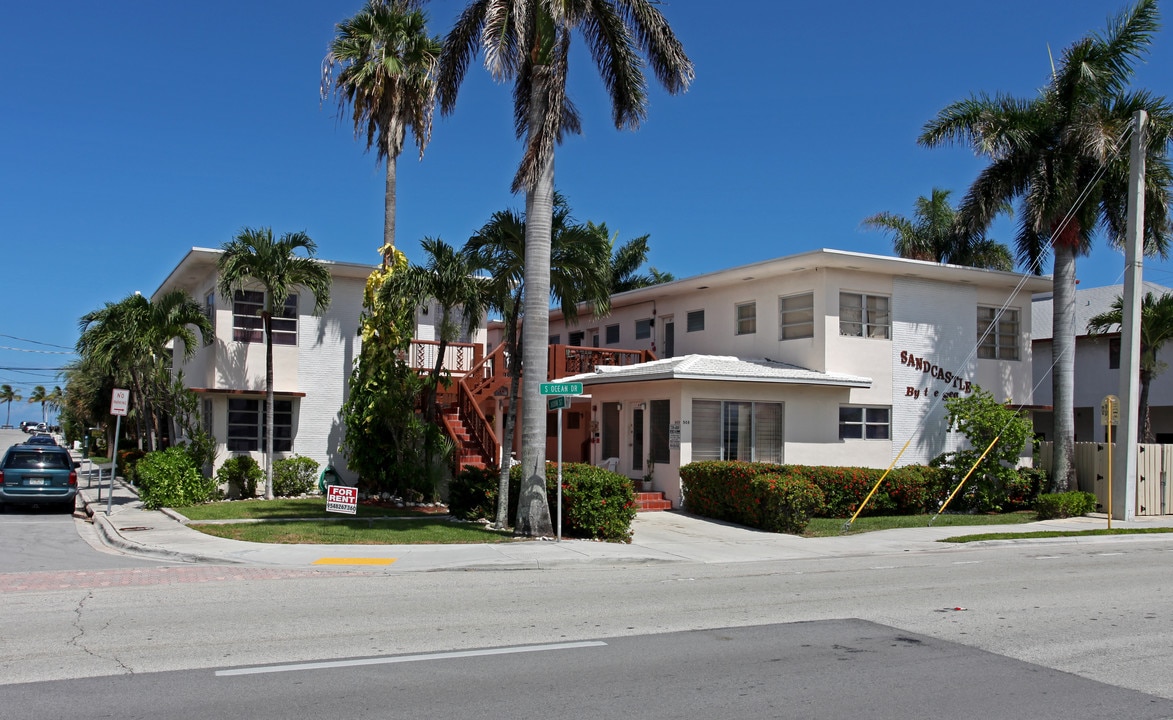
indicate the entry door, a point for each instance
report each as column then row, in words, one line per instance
column 610, row 431
column 669, row 338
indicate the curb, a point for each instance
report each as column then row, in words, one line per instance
column 113, row 539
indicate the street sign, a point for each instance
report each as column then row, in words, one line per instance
column 557, row 402
column 119, row 402
column 1110, row 411
column 562, row 388
column 341, row 499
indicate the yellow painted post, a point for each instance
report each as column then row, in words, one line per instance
column 958, row 488
column 862, row 505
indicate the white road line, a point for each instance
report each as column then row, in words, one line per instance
column 407, row 658
column 967, row 562
column 1108, row 554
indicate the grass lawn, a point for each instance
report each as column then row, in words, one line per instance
column 286, row 509
column 1055, row 533
column 424, row 531
column 830, row 527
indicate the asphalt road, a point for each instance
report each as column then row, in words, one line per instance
column 827, row 669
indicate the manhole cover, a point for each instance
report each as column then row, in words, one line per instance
column 137, row 527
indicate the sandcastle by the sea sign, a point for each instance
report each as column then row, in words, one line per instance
column 341, row 499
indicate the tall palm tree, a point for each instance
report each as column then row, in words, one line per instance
column 1063, row 156
column 39, row 396
column 627, row 259
column 580, row 272
column 1156, row 329
column 7, row 395
column 254, row 258
column 528, row 41
column 381, row 65
column 128, row 339
column 932, row 234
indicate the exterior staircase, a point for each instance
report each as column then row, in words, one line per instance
column 468, row 452
column 651, row 502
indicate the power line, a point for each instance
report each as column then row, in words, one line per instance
column 35, row 342
column 45, row 352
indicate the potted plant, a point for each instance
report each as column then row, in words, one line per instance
column 645, row 485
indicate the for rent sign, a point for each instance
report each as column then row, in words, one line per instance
column 341, row 499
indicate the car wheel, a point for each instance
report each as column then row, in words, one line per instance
column 69, row 507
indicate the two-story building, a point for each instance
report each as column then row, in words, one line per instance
column 822, row 358
column 312, row 361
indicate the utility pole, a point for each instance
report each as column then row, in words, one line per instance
column 1125, row 459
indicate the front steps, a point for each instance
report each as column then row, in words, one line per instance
column 651, row 502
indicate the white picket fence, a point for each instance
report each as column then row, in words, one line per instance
column 1154, row 470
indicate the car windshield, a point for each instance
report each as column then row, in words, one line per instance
column 22, row 460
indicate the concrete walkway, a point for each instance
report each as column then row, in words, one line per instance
column 659, row 537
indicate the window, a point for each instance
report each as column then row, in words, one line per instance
column 1114, row 353
column 555, row 339
column 210, row 307
column 246, row 425
column 796, row 316
column 612, row 334
column 862, row 315
column 576, row 338
column 695, row 321
column 747, row 318
column 248, row 326
column 643, row 329
column 871, row 423
column 731, row 430
column 997, row 334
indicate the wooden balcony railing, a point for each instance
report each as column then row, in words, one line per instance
column 459, row 358
column 568, row 360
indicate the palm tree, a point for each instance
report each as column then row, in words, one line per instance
column 1156, row 329
column 528, row 41
column 627, row 259
column 580, row 272
column 382, row 65
column 1059, row 154
column 54, row 399
column 7, row 395
column 932, row 235
column 254, row 258
column 128, row 339
column 39, row 396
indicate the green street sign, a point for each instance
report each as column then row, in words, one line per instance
column 557, row 402
column 562, row 388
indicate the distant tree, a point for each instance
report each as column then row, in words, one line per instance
column 39, row 396
column 253, row 256
column 7, row 395
column 627, row 259
column 54, row 399
column 1156, row 329
column 933, row 234
column 381, row 65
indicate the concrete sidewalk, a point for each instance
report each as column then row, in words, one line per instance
column 659, row 537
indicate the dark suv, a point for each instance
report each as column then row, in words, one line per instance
column 38, row 475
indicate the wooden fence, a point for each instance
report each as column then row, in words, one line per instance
column 1154, row 470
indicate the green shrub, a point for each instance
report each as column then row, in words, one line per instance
column 1065, row 504
column 787, row 502
column 241, row 474
column 127, row 460
column 596, row 503
column 169, row 478
column 472, row 494
column 294, row 476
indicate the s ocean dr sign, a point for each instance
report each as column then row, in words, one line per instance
column 341, row 499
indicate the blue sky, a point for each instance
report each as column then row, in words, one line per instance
column 134, row 130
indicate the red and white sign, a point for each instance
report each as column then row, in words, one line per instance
column 119, row 402
column 341, row 499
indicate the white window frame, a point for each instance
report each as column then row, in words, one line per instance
column 999, row 342
column 248, row 325
column 607, row 335
column 695, row 321
column 796, row 320
column 763, row 424
column 643, row 329
column 246, row 425
column 867, row 315
column 745, row 323
column 874, row 422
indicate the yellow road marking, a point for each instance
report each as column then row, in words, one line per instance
column 354, row 561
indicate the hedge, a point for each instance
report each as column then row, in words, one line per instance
column 596, row 503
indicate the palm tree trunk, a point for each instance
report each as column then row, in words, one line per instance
column 389, row 196
column 267, row 318
column 1146, row 428
column 514, row 372
column 533, row 511
column 1063, row 369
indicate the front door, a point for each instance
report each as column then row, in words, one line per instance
column 669, row 338
column 637, row 439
